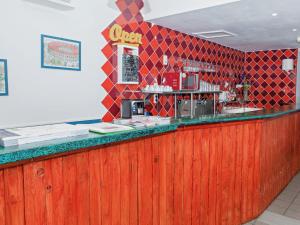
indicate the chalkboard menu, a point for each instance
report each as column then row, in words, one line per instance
column 130, row 64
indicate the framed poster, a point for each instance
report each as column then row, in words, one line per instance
column 3, row 78
column 60, row 53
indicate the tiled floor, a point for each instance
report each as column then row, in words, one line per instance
column 285, row 210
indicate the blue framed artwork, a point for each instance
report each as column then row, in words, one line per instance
column 3, row 78
column 60, row 53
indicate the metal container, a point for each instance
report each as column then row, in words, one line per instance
column 130, row 107
column 200, row 107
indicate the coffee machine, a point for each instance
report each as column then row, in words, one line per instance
column 132, row 107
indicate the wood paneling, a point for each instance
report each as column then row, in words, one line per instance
column 2, row 199
column 14, row 196
column 219, row 174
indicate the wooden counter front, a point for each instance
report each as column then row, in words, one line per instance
column 219, row 174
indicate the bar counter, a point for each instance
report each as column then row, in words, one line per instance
column 48, row 148
column 212, row 170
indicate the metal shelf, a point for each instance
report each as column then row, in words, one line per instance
column 181, row 92
column 176, row 93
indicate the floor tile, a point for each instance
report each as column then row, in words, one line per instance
column 296, row 201
column 276, row 219
column 261, row 223
column 289, row 197
column 277, row 209
column 293, row 189
column 295, row 208
column 250, row 223
column 281, row 203
column 293, row 214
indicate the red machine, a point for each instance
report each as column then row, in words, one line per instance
column 181, row 81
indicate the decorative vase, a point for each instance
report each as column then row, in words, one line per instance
column 246, row 97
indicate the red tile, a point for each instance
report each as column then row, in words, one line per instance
column 107, row 101
column 107, row 68
column 107, row 85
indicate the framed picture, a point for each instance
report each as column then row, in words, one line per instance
column 60, row 53
column 3, row 78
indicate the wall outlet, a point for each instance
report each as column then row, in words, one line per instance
column 165, row 60
column 155, row 98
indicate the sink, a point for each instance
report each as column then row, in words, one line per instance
column 229, row 110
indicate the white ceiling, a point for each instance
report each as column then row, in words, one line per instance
column 160, row 8
column 251, row 20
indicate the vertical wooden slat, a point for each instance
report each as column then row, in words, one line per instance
column 257, row 172
column 82, row 188
column 225, row 176
column 145, row 182
column 228, row 165
column 106, row 200
column 231, row 171
column 245, row 173
column 204, row 175
column 70, row 189
column 213, row 179
column 192, row 183
column 163, row 150
column 54, row 191
column 35, row 193
column 156, row 180
column 125, row 184
column 133, row 178
column 2, row 199
column 133, row 193
column 95, row 172
column 14, row 196
column 116, row 179
column 251, row 161
column 219, row 202
column 169, row 147
column 188, row 177
column 238, row 175
column 180, row 138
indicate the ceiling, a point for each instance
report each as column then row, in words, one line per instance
column 251, row 21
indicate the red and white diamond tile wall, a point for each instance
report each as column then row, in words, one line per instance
column 159, row 41
column 271, row 86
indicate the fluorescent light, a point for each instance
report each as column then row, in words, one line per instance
column 274, row 14
column 294, row 30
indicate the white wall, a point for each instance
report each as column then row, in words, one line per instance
column 157, row 8
column 39, row 96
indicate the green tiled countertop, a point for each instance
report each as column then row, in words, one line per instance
column 48, row 148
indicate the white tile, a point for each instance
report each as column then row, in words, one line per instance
column 296, row 201
column 289, row 197
column 293, row 214
column 292, row 189
column 277, row 209
column 261, row 223
column 249, row 223
column 295, row 208
column 281, row 203
column 276, row 219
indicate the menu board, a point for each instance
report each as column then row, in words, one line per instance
column 130, row 64
column 3, row 78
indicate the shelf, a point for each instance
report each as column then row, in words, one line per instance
column 181, row 92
